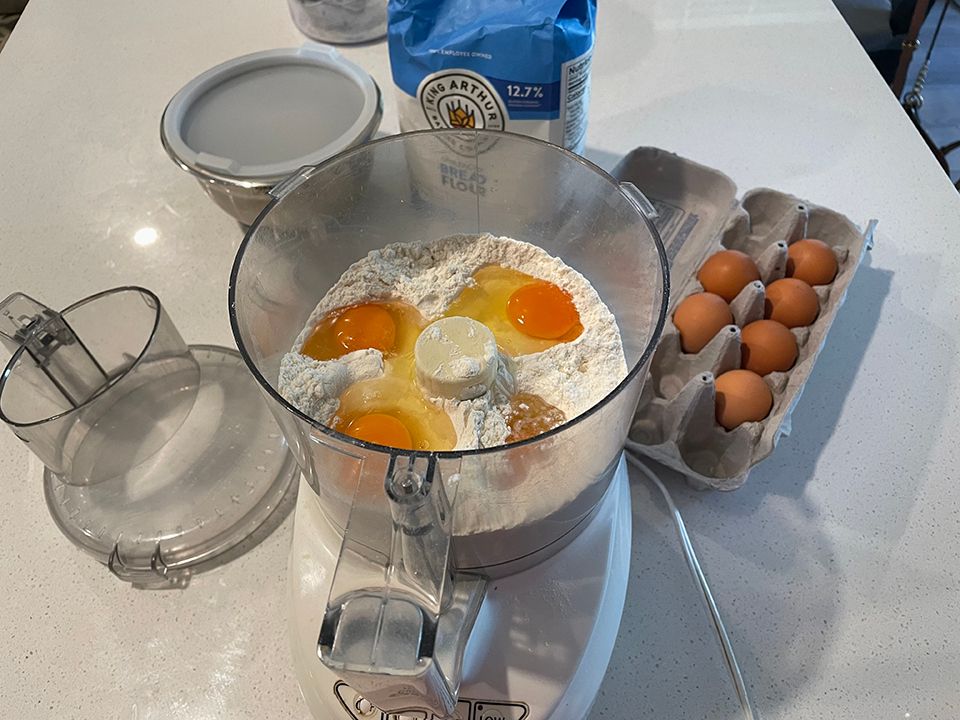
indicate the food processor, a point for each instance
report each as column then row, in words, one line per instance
column 477, row 584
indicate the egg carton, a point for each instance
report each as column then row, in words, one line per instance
column 675, row 421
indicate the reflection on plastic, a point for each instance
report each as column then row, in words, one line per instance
column 145, row 236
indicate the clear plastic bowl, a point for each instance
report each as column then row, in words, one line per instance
column 398, row 190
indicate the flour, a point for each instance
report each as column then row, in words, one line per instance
column 314, row 387
column 572, row 376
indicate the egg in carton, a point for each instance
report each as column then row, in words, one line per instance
column 699, row 215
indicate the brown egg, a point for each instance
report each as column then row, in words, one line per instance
column 699, row 318
column 742, row 396
column 767, row 346
column 727, row 272
column 811, row 261
column 791, row 302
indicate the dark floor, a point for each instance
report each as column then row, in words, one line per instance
column 940, row 114
column 6, row 25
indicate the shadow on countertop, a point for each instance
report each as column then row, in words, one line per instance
column 783, row 584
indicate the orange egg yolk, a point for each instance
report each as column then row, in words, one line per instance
column 485, row 300
column 542, row 310
column 365, row 326
column 355, row 327
column 381, row 429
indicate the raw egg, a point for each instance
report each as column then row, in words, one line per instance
column 791, row 302
column 542, row 310
column 727, row 272
column 742, row 396
column 388, row 410
column 766, row 346
column 487, row 298
column 382, row 429
column 812, row 261
column 391, row 410
column 699, row 318
column 355, row 327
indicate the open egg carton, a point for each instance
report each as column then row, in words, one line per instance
column 675, row 422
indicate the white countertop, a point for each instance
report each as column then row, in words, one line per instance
column 835, row 566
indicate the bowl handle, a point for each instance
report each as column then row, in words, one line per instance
column 398, row 617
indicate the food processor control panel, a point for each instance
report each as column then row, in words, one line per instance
column 359, row 708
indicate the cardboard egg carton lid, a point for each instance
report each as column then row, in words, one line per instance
column 700, row 214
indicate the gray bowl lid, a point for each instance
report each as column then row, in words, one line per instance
column 262, row 116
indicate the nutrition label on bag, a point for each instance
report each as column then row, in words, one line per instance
column 575, row 91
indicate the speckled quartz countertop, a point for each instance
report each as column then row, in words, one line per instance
column 835, row 566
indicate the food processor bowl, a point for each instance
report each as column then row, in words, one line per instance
column 448, row 520
column 515, row 500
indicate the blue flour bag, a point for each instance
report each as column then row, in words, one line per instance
column 516, row 65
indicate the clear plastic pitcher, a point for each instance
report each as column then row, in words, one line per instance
column 97, row 388
column 160, row 457
column 422, row 531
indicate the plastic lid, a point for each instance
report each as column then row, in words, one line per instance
column 220, row 484
column 260, row 117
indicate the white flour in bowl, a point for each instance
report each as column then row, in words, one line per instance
column 572, row 376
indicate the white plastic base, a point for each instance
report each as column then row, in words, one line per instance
column 541, row 643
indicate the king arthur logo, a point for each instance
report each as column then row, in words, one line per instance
column 461, row 99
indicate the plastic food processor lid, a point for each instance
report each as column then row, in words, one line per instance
column 260, row 117
column 161, row 458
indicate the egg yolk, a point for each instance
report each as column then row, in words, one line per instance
column 542, row 310
column 485, row 300
column 351, row 328
column 365, row 326
column 381, row 429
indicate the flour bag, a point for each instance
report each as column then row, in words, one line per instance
column 516, row 65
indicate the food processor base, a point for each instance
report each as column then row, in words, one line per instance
column 542, row 641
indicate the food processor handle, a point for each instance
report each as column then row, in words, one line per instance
column 639, row 200
column 51, row 342
column 399, row 617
